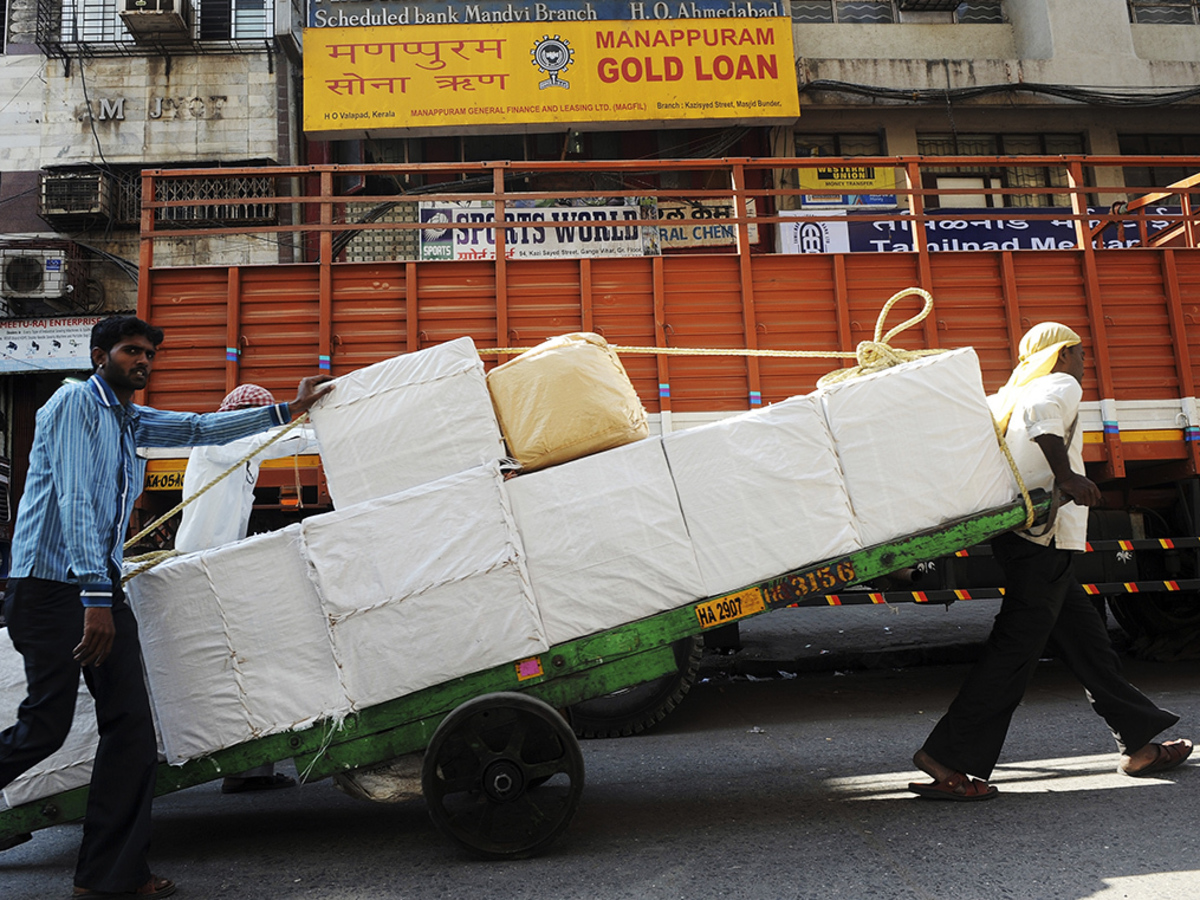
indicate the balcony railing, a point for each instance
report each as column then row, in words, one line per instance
column 740, row 206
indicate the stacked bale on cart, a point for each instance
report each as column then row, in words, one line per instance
column 435, row 565
column 416, row 577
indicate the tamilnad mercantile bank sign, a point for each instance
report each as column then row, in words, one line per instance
column 397, row 79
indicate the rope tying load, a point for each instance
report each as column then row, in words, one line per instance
column 871, row 355
column 877, row 354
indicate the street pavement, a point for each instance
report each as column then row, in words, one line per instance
column 791, row 786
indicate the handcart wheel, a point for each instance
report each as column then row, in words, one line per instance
column 634, row 709
column 503, row 775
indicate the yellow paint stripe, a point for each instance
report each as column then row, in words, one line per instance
column 1137, row 437
column 171, row 466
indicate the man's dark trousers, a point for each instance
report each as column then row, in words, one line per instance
column 45, row 622
column 1043, row 602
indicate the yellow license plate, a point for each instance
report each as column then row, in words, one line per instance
column 726, row 609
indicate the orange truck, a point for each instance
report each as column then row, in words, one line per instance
column 732, row 264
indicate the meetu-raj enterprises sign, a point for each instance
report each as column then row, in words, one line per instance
column 381, row 80
column 46, row 345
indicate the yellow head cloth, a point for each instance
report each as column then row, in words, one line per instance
column 1039, row 352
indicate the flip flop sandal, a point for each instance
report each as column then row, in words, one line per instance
column 957, row 788
column 1168, row 755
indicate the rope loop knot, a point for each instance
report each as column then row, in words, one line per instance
column 878, row 354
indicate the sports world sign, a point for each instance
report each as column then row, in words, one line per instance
column 395, row 80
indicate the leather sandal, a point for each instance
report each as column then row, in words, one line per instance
column 958, row 788
column 1168, row 755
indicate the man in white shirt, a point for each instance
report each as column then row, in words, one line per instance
column 1043, row 601
column 222, row 515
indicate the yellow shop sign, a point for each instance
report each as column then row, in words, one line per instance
column 399, row 79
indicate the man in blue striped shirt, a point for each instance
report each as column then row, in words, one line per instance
column 65, row 582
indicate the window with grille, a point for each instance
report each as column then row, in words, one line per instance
column 866, row 12
column 1164, row 12
column 232, row 200
column 99, row 21
column 839, row 144
column 221, row 20
column 985, row 176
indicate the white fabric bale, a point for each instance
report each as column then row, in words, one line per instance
column 762, row 493
column 235, row 644
column 68, row 767
column 424, row 586
column 605, row 540
column 405, row 421
column 916, row 445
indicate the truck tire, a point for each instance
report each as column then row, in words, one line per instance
column 635, row 709
column 1164, row 625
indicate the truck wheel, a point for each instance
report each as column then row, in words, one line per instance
column 503, row 775
column 1164, row 625
column 633, row 710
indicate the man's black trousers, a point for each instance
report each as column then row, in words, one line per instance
column 45, row 622
column 1043, row 602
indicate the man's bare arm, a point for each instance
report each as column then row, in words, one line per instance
column 1078, row 487
column 311, row 389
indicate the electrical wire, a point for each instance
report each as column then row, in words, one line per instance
column 128, row 266
column 32, row 190
column 91, row 112
column 1137, row 98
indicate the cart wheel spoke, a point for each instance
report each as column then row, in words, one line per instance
column 543, row 772
column 482, row 767
column 472, row 741
column 459, row 785
column 516, row 740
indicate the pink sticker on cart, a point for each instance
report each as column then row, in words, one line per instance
column 529, row 668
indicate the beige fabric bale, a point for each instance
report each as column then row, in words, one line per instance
column 566, row 398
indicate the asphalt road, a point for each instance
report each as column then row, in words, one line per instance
column 784, row 788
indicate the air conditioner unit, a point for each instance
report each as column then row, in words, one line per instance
column 158, row 21
column 73, row 195
column 33, row 274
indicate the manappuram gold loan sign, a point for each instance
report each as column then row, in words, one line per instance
column 400, row 78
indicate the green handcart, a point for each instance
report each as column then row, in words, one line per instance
column 503, row 772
